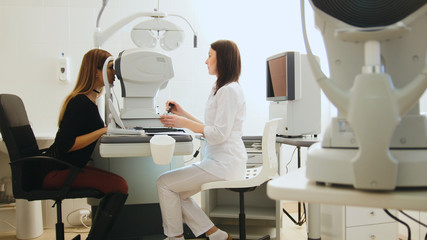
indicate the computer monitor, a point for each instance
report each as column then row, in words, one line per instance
column 293, row 94
column 282, row 83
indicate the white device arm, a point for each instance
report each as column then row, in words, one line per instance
column 192, row 29
column 339, row 97
column 98, row 19
column 101, row 37
column 409, row 95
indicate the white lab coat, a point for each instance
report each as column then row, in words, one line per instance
column 224, row 159
column 225, row 155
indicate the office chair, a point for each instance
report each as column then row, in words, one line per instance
column 254, row 176
column 26, row 161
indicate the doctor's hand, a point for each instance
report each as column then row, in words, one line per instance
column 175, row 108
column 173, row 121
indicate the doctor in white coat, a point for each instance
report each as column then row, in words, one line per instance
column 224, row 155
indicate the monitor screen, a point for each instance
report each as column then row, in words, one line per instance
column 281, row 77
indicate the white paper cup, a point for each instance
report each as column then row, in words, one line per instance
column 162, row 149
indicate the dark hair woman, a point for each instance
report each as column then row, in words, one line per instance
column 224, row 156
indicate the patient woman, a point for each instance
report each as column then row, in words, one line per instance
column 80, row 126
column 224, row 154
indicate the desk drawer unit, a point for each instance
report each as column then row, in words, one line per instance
column 384, row 231
column 351, row 223
column 360, row 216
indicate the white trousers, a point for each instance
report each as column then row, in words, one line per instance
column 175, row 189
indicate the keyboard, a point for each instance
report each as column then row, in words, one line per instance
column 160, row 129
column 123, row 131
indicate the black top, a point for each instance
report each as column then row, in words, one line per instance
column 81, row 117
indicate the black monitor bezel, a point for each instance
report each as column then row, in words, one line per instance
column 290, row 78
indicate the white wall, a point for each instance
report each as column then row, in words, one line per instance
column 34, row 34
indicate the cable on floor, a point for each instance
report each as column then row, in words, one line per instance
column 415, row 220
column 81, row 217
column 402, row 222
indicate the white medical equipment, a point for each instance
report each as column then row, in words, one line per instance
column 377, row 59
column 147, row 33
column 293, row 94
column 115, row 123
column 143, row 71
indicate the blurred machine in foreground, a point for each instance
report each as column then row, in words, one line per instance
column 377, row 60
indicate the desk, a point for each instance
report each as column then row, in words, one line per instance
column 130, row 157
column 298, row 142
column 138, row 146
column 295, row 186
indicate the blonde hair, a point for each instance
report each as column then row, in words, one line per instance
column 92, row 61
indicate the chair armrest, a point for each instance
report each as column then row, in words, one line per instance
column 43, row 158
column 70, row 177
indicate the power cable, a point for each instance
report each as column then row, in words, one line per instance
column 402, row 222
